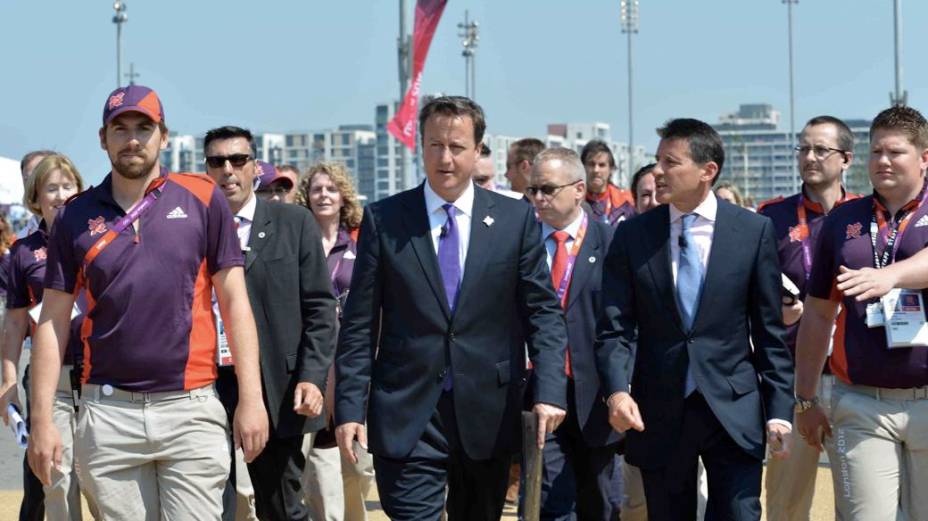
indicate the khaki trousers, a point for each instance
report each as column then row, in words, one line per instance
column 334, row 489
column 790, row 483
column 153, row 456
column 879, row 452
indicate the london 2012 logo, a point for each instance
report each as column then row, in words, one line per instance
column 116, row 100
column 853, row 231
column 96, row 226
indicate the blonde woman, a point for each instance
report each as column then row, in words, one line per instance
column 54, row 180
column 335, row 488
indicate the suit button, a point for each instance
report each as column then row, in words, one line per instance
column 441, row 375
column 690, row 340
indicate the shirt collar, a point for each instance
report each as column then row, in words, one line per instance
column 817, row 207
column 572, row 229
column 707, row 209
column 247, row 212
column 464, row 203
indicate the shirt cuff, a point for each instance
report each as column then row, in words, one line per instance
column 778, row 421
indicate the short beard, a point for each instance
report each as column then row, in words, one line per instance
column 135, row 171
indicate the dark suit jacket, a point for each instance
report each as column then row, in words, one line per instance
column 398, row 336
column 740, row 303
column 584, row 305
column 291, row 297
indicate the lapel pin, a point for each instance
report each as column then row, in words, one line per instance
column 261, row 235
column 488, row 221
column 592, row 260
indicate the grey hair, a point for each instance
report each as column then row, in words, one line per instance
column 575, row 171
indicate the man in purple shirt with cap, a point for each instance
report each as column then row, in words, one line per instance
column 148, row 248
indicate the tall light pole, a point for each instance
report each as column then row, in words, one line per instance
column 629, row 21
column 404, row 61
column 468, row 32
column 898, row 98
column 119, row 18
column 792, row 105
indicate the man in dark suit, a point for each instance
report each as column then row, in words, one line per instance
column 699, row 279
column 291, row 297
column 579, row 458
column 449, row 284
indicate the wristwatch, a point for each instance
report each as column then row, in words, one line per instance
column 802, row 405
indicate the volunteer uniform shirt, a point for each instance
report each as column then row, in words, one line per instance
column 27, row 277
column 149, row 326
column 790, row 235
column 860, row 353
column 612, row 206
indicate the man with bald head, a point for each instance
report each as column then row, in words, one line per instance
column 579, row 457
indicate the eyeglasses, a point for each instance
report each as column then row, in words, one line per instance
column 819, row 151
column 547, row 190
column 236, row 160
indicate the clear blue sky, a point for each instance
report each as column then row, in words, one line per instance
column 279, row 65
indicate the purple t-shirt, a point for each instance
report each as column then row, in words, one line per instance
column 149, row 326
column 790, row 236
column 860, row 353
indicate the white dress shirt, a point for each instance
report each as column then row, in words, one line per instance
column 464, row 210
column 701, row 231
column 551, row 245
column 244, row 218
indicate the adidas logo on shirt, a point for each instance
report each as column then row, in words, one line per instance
column 177, row 213
column 922, row 222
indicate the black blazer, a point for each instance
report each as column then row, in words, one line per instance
column 584, row 305
column 291, row 297
column 740, row 304
column 398, row 336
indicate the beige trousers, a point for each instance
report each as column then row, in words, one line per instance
column 790, row 483
column 334, row 489
column 879, row 453
column 153, row 456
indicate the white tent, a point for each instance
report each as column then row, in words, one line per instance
column 11, row 182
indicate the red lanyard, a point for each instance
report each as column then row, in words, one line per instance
column 804, row 236
column 571, row 261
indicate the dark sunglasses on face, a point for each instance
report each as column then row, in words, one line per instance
column 236, row 160
column 547, row 190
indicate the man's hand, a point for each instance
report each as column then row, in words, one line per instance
column 865, row 283
column 779, row 440
column 345, row 434
column 813, row 426
column 250, row 429
column 549, row 418
column 307, row 399
column 623, row 413
column 792, row 312
column 44, row 450
column 8, row 395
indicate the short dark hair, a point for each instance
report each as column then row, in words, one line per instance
column 643, row 171
column 845, row 136
column 459, row 106
column 906, row 120
column 32, row 155
column 485, row 150
column 704, row 142
column 227, row 132
column 595, row 147
column 525, row 149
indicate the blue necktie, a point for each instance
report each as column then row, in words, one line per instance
column 449, row 262
column 689, row 285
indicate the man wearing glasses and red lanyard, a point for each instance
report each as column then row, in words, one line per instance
column 148, row 248
column 876, row 430
column 824, row 154
column 579, row 457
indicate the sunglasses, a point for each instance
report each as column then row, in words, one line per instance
column 278, row 190
column 236, row 160
column 547, row 190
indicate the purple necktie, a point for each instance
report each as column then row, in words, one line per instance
column 449, row 260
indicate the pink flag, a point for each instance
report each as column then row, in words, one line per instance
column 403, row 124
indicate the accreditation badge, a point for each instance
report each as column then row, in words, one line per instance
column 904, row 315
column 223, row 353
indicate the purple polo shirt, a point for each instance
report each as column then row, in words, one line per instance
column 785, row 216
column 149, row 326
column 860, row 354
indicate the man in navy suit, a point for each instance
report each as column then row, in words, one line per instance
column 579, row 458
column 699, row 280
column 449, row 285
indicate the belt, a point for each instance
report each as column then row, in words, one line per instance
column 887, row 393
column 107, row 392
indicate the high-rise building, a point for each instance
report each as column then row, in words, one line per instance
column 759, row 158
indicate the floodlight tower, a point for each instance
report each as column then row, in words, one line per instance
column 119, row 18
column 629, row 21
column 468, row 31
